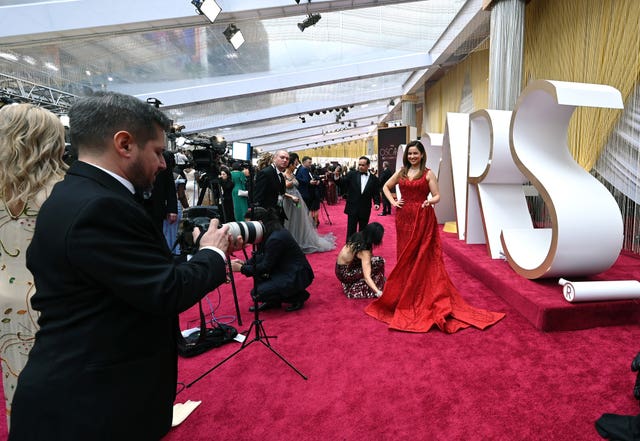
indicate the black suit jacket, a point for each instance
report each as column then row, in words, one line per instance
column 303, row 175
column 281, row 267
column 104, row 363
column 385, row 174
column 359, row 203
column 164, row 199
column 268, row 187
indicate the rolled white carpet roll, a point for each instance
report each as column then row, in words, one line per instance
column 600, row 290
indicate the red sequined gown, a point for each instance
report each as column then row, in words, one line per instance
column 418, row 293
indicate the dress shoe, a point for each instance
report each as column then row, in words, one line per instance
column 299, row 302
column 263, row 306
column 635, row 364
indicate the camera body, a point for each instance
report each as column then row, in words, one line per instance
column 251, row 232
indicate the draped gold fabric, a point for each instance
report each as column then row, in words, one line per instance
column 445, row 95
column 348, row 149
column 586, row 41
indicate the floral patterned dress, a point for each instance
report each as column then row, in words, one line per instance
column 352, row 278
column 18, row 322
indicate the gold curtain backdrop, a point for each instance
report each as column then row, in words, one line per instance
column 350, row 149
column 589, row 41
column 446, row 94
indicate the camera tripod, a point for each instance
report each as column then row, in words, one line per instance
column 260, row 336
column 256, row 326
column 326, row 212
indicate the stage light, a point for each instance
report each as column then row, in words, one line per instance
column 208, row 8
column 155, row 102
column 234, row 36
column 311, row 20
column 392, row 103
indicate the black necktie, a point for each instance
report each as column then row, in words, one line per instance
column 282, row 186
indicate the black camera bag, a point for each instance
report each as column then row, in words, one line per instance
column 205, row 339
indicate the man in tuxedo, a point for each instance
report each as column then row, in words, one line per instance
column 104, row 363
column 362, row 187
column 385, row 174
column 270, row 185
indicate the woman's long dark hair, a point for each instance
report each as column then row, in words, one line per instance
column 405, row 158
column 366, row 239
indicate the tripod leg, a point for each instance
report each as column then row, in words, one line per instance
column 233, row 289
column 219, row 364
column 285, row 360
column 326, row 212
column 265, row 342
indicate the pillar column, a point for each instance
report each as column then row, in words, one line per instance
column 409, row 110
column 505, row 52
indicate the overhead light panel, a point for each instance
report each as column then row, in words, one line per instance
column 311, row 20
column 234, row 36
column 208, row 8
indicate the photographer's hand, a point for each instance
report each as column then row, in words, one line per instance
column 214, row 236
column 236, row 265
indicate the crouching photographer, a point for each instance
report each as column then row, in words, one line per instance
column 282, row 272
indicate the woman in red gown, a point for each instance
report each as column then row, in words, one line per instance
column 418, row 293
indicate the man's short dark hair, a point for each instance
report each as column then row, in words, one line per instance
column 304, row 158
column 365, row 158
column 93, row 120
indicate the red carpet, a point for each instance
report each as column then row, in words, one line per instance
column 509, row 382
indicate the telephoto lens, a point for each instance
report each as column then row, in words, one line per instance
column 250, row 231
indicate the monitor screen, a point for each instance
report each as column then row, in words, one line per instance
column 241, row 151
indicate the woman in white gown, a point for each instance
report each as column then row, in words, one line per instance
column 191, row 186
column 299, row 222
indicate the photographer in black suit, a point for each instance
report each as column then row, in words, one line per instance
column 362, row 187
column 281, row 269
column 104, row 364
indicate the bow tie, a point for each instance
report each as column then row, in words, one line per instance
column 364, row 173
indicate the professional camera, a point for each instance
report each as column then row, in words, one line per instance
column 200, row 216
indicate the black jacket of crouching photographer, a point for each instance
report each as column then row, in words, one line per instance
column 281, row 268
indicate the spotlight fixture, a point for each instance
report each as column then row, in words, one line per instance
column 392, row 103
column 155, row 102
column 208, row 8
column 234, row 36
column 303, row 119
column 311, row 20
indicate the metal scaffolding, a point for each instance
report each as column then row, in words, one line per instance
column 21, row 90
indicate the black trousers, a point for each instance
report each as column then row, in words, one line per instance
column 386, row 205
column 354, row 221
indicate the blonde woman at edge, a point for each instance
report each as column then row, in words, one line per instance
column 31, row 149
